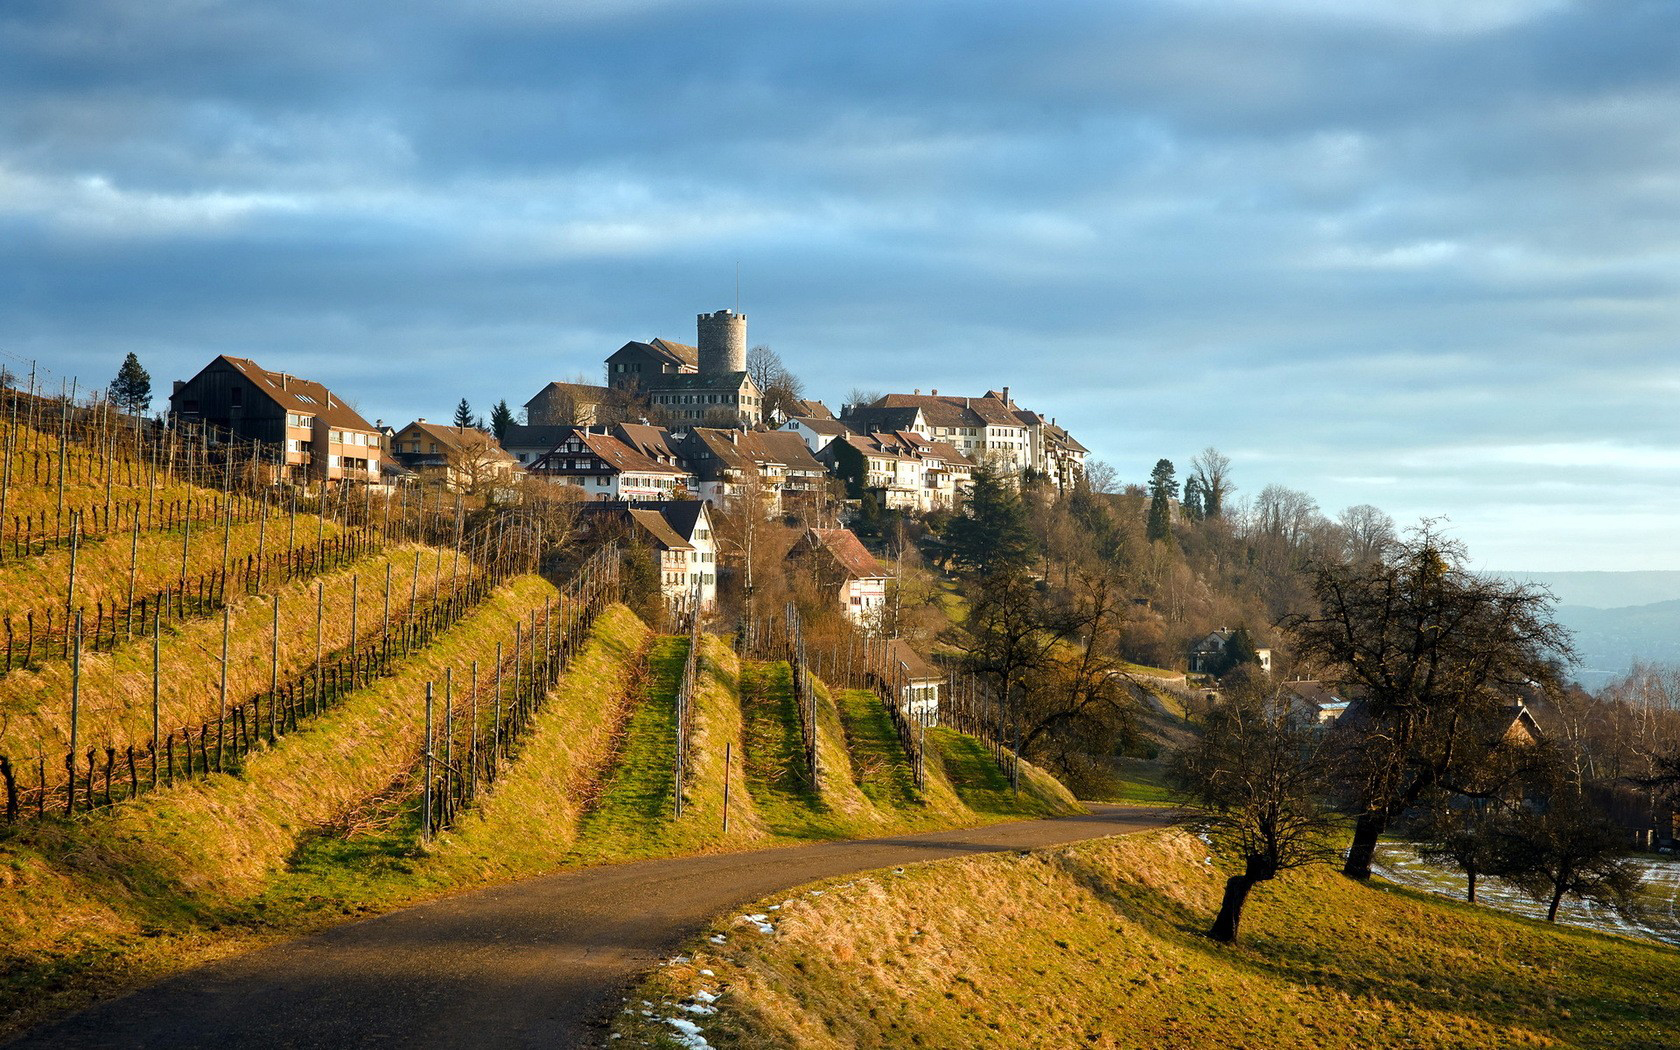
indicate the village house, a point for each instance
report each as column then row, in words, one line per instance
column 904, row 470
column 918, row 682
column 991, row 429
column 564, row 404
column 606, row 468
column 815, row 431
column 317, row 437
column 1211, row 654
column 680, row 533
column 726, row 463
column 463, row 459
column 842, row 566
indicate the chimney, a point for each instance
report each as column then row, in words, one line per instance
column 1006, row 395
column 918, row 391
column 934, row 392
column 422, row 419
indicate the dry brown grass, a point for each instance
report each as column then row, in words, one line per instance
column 116, row 688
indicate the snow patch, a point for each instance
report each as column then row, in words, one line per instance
column 688, row 1033
column 761, row 921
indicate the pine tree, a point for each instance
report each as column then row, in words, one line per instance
column 1163, row 488
column 132, row 389
column 501, row 417
column 463, row 414
column 992, row 534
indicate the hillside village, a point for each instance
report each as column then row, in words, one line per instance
column 673, row 421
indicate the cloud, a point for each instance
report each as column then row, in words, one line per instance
column 1367, row 249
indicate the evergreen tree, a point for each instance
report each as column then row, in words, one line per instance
column 991, row 535
column 132, row 389
column 463, row 414
column 1163, row 488
column 501, row 417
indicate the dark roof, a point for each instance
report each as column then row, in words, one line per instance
column 299, row 395
column 582, row 392
column 697, row 381
column 677, row 354
column 811, row 410
column 545, row 437
column 678, row 517
column 869, row 418
column 847, row 551
column 745, row 449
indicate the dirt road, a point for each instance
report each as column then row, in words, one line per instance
column 534, row 963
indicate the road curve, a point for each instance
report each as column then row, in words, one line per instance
column 534, row 963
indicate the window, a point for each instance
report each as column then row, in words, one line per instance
column 236, row 396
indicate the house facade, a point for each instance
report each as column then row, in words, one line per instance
column 464, row 459
column 681, row 535
column 318, row 436
column 606, row 468
column 843, row 566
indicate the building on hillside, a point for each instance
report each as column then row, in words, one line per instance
column 815, row 431
column 990, row 430
column 636, row 366
column 705, row 384
column 680, row 532
column 463, row 459
column 569, row 404
column 916, row 681
column 318, row 436
column 1212, row 653
column 606, row 468
column 527, row 444
column 727, row 463
column 903, row 471
column 1320, row 702
column 841, row 565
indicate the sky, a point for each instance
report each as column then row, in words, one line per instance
column 1420, row 254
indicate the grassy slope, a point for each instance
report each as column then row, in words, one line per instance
column 39, row 582
column 1099, row 945
column 116, row 686
column 186, row 874
column 148, row 886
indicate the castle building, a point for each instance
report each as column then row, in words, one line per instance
column 703, row 384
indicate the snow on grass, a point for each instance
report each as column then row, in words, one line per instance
column 759, row 921
column 688, row 1033
column 1400, row 864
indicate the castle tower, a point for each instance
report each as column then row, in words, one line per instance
column 722, row 342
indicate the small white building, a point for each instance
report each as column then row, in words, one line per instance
column 917, row 681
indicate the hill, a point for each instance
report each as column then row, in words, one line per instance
column 1611, row 641
column 1099, row 945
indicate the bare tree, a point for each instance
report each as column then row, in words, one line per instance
column 1439, row 654
column 1210, row 471
column 1101, row 477
column 1254, row 784
column 780, row 388
column 1366, row 531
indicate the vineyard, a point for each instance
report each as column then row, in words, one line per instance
column 222, row 696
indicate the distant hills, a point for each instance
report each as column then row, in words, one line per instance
column 1618, row 618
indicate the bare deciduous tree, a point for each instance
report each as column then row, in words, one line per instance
column 1254, row 784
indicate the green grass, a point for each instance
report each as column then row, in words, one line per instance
column 981, row 785
column 879, row 765
column 1100, row 945
column 774, row 753
column 637, row 801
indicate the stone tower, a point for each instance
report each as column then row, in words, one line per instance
column 723, row 342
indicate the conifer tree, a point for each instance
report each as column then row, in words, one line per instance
column 991, row 535
column 132, row 389
column 1163, row 488
column 501, row 417
column 463, row 414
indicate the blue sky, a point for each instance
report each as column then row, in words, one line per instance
column 1418, row 253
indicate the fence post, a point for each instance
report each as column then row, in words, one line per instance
column 75, row 711
column 426, row 794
